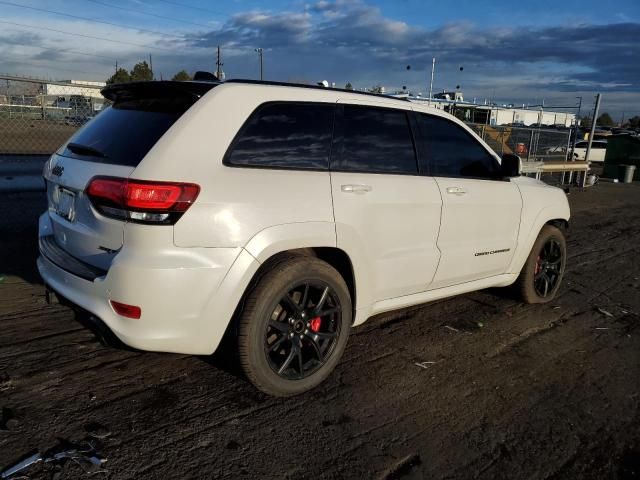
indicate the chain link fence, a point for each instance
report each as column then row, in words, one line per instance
column 531, row 144
column 36, row 117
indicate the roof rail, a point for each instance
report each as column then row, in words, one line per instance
column 314, row 87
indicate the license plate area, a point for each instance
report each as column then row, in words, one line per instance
column 65, row 203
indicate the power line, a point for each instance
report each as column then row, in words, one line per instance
column 124, row 9
column 91, row 19
column 190, row 6
column 86, row 36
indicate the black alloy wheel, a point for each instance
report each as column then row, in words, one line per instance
column 303, row 329
column 542, row 272
column 294, row 324
column 548, row 269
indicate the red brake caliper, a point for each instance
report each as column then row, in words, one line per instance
column 315, row 324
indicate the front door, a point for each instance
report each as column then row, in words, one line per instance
column 480, row 210
column 479, row 229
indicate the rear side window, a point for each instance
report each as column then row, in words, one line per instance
column 125, row 132
column 285, row 135
column 453, row 152
column 375, row 140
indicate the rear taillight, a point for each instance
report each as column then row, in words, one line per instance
column 141, row 201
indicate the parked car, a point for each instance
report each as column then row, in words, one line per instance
column 597, row 153
column 281, row 216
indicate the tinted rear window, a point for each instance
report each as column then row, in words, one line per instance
column 125, row 132
column 285, row 135
column 375, row 140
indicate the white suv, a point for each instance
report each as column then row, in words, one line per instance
column 283, row 216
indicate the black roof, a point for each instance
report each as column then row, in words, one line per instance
column 123, row 91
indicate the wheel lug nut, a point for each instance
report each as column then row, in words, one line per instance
column 306, row 330
column 301, row 336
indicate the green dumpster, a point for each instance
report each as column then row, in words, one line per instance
column 622, row 150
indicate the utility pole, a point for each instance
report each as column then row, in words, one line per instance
column 593, row 126
column 219, row 64
column 151, row 67
column 259, row 50
column 575, row 129
column 433, row 69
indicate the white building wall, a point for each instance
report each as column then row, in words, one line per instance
column 68, row 90
column 504, row 116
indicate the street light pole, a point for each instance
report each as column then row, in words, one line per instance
column 259, row 50
column 433, row 69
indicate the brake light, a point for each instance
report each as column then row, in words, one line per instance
column 141, row 201
column 129, row 311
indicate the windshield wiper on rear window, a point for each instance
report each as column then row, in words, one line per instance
column 79, row 149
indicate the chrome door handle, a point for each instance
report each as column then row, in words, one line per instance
column 359, row 189
column 456, row 190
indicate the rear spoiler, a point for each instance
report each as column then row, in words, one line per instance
column 135, row 90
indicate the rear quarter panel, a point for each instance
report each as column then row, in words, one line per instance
column 234, row 203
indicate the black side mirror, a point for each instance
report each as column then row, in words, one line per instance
column 511, row 165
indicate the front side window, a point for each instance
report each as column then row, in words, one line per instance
column 375, row 140
column 454, row 152
column 285, row 135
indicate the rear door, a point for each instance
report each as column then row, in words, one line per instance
column 480, row 210
column 111, row 144
column 386, row 213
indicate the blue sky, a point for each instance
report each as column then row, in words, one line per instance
column 520, row 52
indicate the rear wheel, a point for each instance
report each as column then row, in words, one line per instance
column 542, row 273
column 294, row 326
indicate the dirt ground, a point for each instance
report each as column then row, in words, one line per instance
column 33, row 136
column 506, row 391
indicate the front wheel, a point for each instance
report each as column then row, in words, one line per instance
column 542, row 273
column 294, row 326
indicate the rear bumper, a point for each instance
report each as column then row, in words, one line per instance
column 186, row 295
column 56, row 255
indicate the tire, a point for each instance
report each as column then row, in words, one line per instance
column 542, row 273
column 283, row 348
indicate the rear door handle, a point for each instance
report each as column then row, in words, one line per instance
column 358, row 189
column 456, row 190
